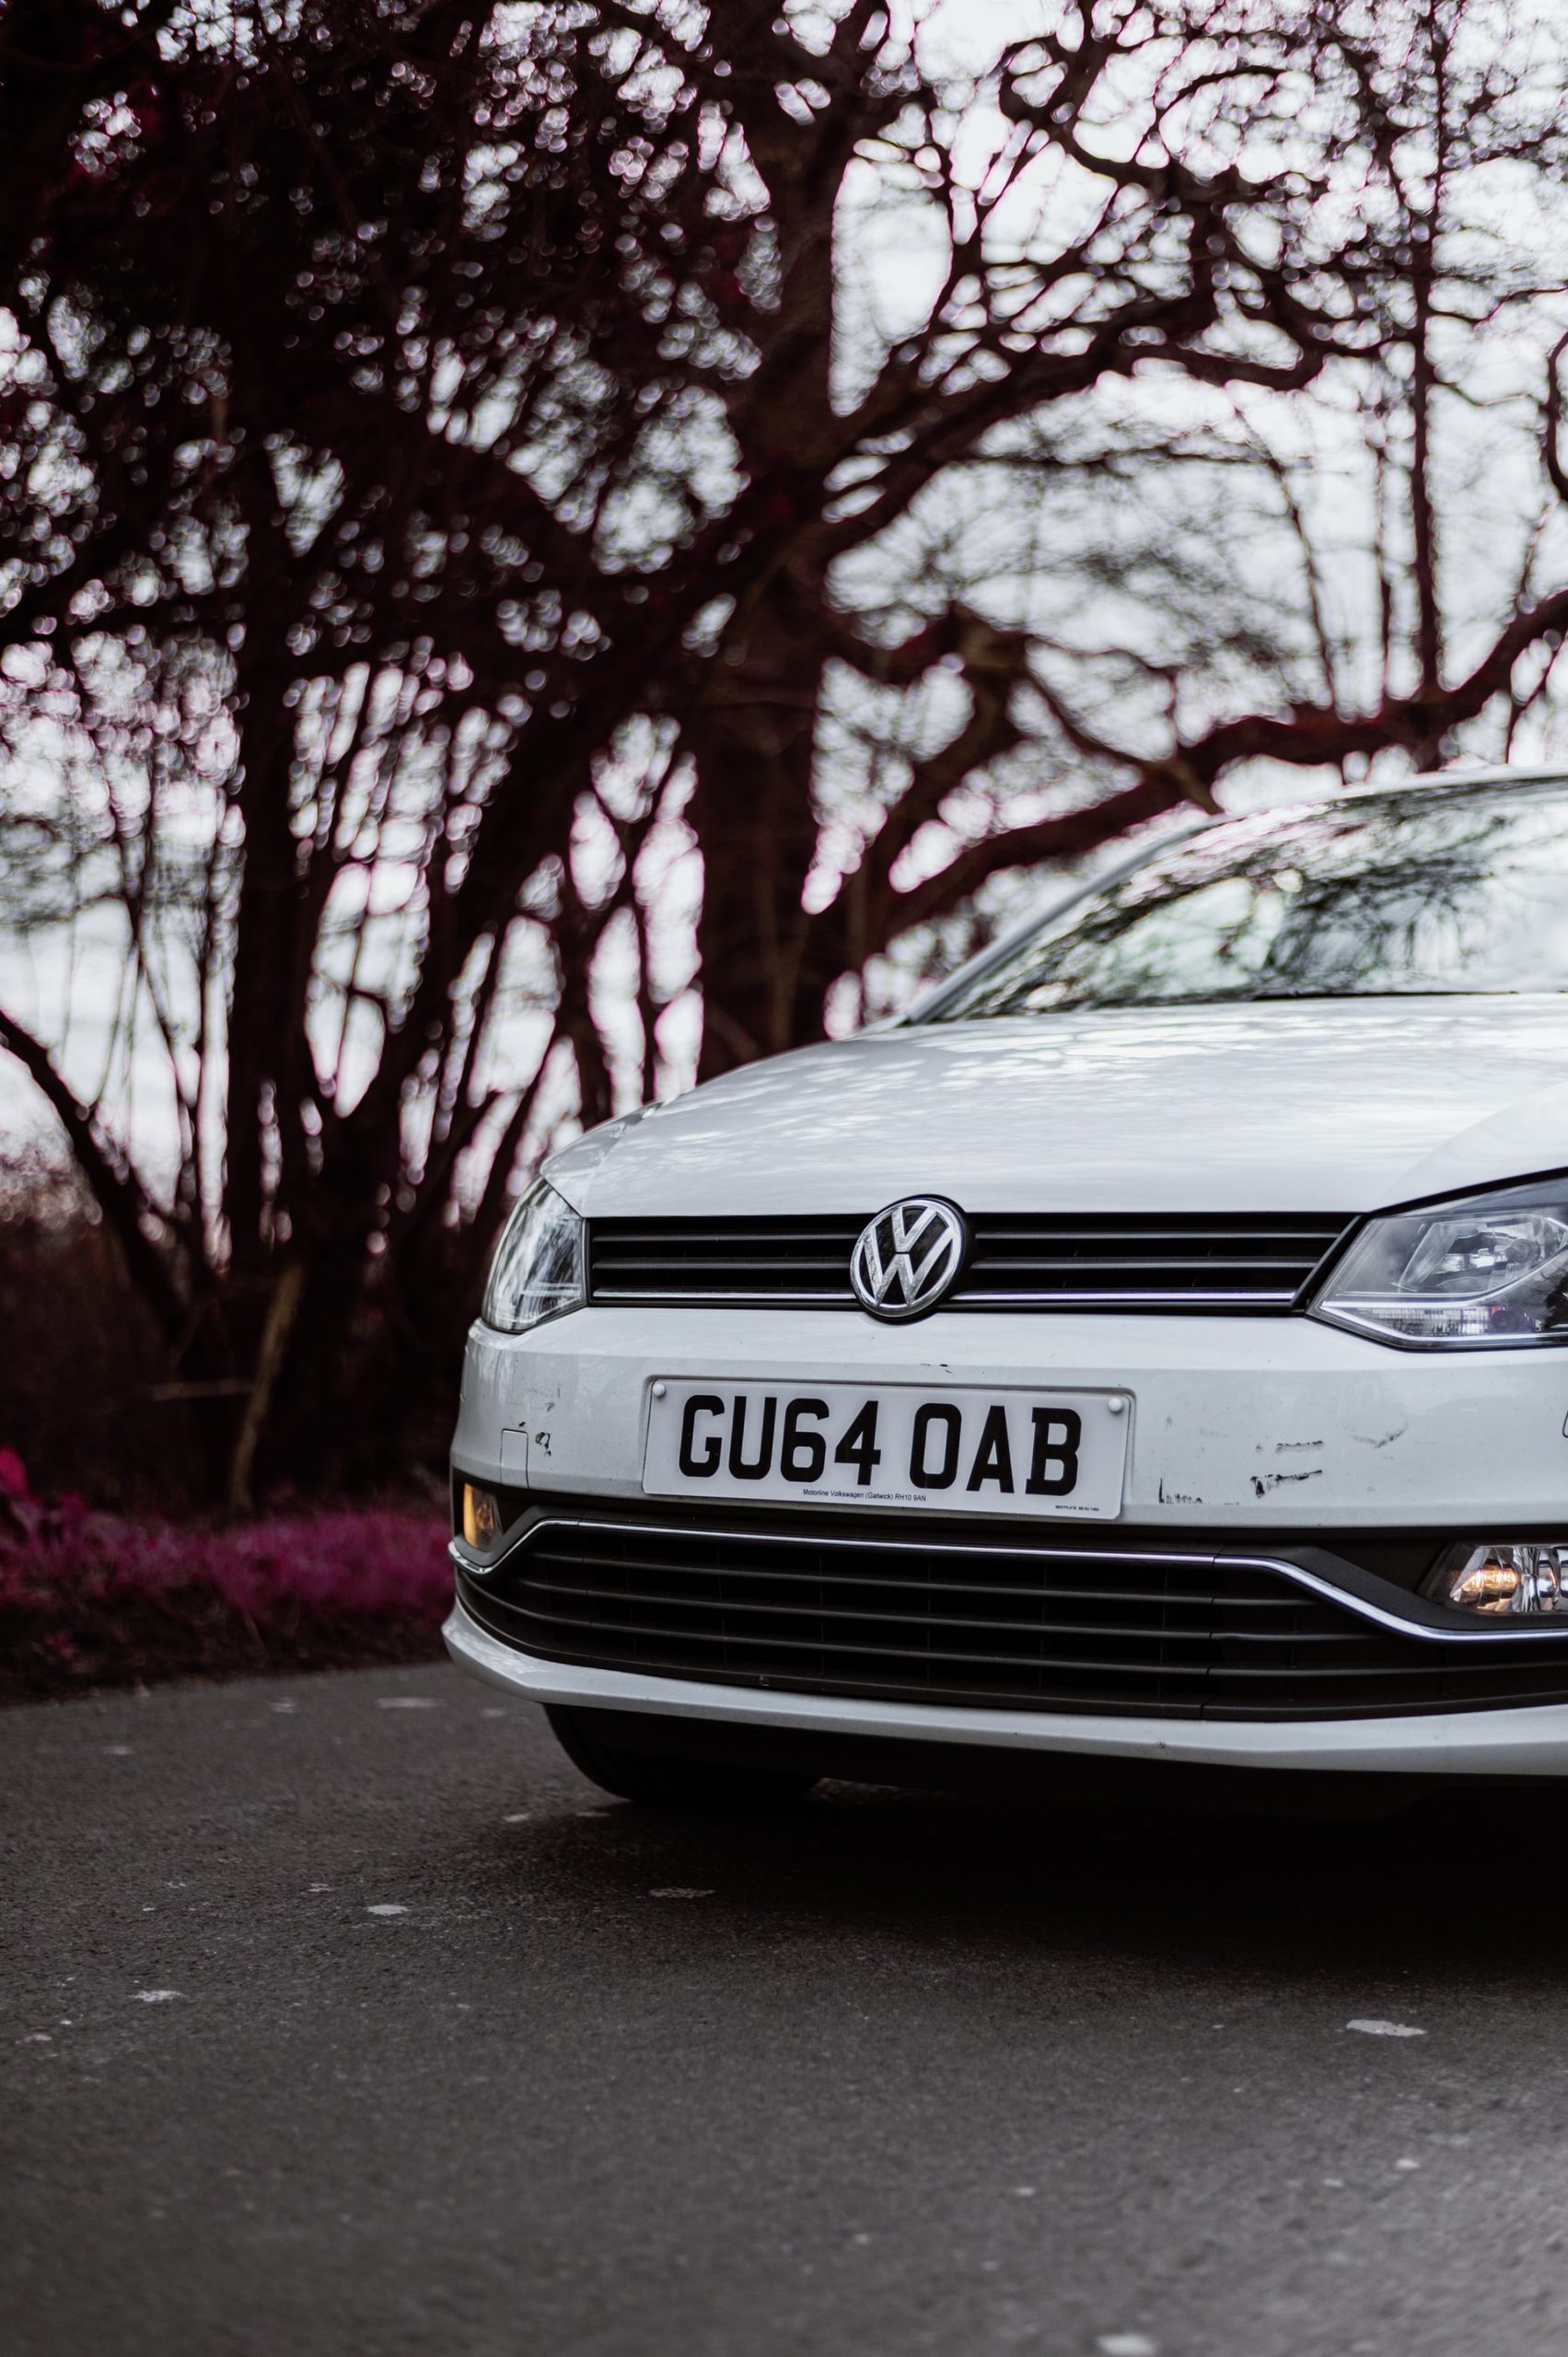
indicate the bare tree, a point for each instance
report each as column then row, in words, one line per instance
column 346, row 426
column 458, row 457
column 1198, row 517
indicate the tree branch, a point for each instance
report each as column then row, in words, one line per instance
column 125, row 1205
column 1067, row 836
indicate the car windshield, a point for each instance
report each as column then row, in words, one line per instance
column 1431, row 890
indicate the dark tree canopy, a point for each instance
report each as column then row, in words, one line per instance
column 522, row 527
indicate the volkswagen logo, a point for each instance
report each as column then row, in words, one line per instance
column 908, row 1257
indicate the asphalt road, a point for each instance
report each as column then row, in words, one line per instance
column 345, row 2017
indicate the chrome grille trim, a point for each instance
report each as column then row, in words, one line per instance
column 1028, row 1551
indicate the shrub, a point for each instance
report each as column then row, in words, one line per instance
column 83, row 1376
column 91, row 1600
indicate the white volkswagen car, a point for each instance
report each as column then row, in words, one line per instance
column 1154, row 1346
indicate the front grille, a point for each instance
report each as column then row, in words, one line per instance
column 1237, row 1263
column 977, row 1619
column 797, row 1261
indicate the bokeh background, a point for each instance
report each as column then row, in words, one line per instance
column 547, row 551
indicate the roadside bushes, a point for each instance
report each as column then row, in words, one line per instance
column 96, row 1399
column 126, row 1589
column 84, row 1397
column 91, row 1600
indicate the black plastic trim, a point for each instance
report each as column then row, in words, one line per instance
column 1218, row 1630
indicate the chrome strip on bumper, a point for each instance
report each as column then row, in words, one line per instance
column 1492, row 1633
column 1532, row 1741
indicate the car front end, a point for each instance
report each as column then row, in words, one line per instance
column 1172, row 1382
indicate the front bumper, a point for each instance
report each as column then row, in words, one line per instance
column 1276, row 1430
column 1267, row 1424
column 1531, row 1742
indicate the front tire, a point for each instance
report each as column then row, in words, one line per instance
column 665, row 1780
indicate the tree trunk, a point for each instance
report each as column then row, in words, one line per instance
column 751, row 739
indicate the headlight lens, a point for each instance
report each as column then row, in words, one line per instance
column 538, row 1269
column 1491, row 1269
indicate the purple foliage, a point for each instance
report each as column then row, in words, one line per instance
column 385, row 1561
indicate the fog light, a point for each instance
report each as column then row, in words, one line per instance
column 1496, row 1580
column 482, row 1517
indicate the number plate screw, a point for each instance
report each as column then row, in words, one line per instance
column 1117, row 1407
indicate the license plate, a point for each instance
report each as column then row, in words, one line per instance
column 961, row 1451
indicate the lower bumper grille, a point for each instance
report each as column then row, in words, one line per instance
column 979, row 1619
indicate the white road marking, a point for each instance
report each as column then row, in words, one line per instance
column 385, row 1910
column 680, row 1890
column 1127, row 2344
column 1386, row 2029
column 407, row 1702
column 156, row 1996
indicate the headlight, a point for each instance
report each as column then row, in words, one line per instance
column 538, row 1269
column 1490, row 1269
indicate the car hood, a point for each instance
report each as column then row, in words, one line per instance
column 1320, row 1105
